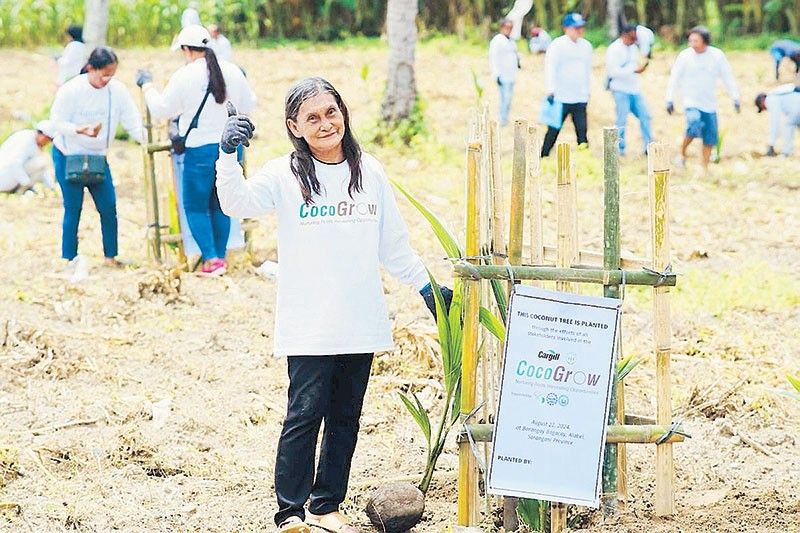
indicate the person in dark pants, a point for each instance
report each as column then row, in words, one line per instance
column 568, row 69
column 338, row 223
column 85, row 113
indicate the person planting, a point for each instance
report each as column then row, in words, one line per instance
column 331, row 314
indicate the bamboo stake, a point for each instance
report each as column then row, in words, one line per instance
column 571, row 274
column 630, row 434
column 150, row 188
column 659, row 210
column 614, row 460
column 498, row 240
column 535, row 225
column 467, row 480
column 567, row 249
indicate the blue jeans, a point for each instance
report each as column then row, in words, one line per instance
column 210, row 227
column 632, row 103
column 506, row 92
column 105, row 200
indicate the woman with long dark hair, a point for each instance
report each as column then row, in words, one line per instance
column 338, row 222
column 196, row 94
column 86, row 112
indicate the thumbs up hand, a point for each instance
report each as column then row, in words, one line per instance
column 238, row 130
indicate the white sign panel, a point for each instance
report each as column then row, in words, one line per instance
column 550, row 428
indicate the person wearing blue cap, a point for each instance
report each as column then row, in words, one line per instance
column 785, row 48
column 568, row 70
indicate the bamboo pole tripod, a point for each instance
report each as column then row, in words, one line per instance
column 566, row 265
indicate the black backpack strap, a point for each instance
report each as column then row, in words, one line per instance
column 193, row 123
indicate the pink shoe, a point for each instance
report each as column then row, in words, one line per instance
column 214, row 268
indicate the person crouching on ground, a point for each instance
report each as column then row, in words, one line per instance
column 196, row 93
column 22, row 164
column 85, row 113
column 338, row 221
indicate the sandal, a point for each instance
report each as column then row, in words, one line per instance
column 334, row 522
column 294, row 524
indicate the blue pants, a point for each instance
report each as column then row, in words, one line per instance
column 632, row 103
column 105, row 200
column 210, row 227
column 700, row 124
column 506, row 93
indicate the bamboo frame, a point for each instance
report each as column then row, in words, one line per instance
column 566, row 242
column 467, row 481
column 569, row 274
column 659, row 211
column 150, row 186
column 613, row 475
column 616, row 434
column 537, row 250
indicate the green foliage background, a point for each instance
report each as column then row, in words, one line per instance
column 155, row 22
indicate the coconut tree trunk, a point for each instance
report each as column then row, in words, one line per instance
column 401, row 87
column 95, row 24
column 613, row 17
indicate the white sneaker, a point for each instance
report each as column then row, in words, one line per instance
column 80, row 269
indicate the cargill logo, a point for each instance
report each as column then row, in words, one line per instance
column 342, row 209
column 550, row 355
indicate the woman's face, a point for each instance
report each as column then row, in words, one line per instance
column 320, row 122
column 99, row 78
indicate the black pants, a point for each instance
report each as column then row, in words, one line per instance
column 578, row 112
column 327, row 388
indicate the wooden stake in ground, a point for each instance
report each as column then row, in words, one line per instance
column 611, row 261
column 467, row 480
column 534, row 188
column 498, row 240
column 150, row 187
column 659, row 211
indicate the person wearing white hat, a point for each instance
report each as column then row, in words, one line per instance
column 196, row 94
column 22, row 163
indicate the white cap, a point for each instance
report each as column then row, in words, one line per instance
column 194, row 35
column 47, row 127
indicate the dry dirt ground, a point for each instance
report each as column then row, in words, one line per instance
column 134, row 401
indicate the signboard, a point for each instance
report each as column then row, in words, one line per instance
column 550, row 429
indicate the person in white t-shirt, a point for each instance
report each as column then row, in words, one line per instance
column 73, row 58
column 203, row 84
column 338, row 222
column 85, row 113
column 504, row 63
column 22, row 163
column 568, row 72
column 220, row 44
column 624, row 66
column 695, row 74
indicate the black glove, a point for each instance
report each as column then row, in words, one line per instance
column 771, row 151
column 238, row 130
column 737, row 105
column 670, row 108
column 550, row 99
column 143, row 76
column 430, row 299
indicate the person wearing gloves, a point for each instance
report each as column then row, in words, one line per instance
column 623, row 67
column 783, row 106
column 22, row 163
column 338, row 222
column 695, row 74
column 568, row 72
column 504, row 63
column 85, row 115
column 645, row 39
column 196, row 93
column 72, row 60
column 785, row 48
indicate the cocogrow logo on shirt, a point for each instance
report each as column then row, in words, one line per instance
column 342, row 209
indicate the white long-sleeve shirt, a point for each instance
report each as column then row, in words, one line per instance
column 72, row 60
column 15, row 153
column 783, row 106
column 503, row 58
column 540, row 42
column 78, row 103
column 568, row 69
column 222, row 47
column 184, row 93
column 622, row 61
column 645, row 39
column 330, row 295
column 695, row 77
